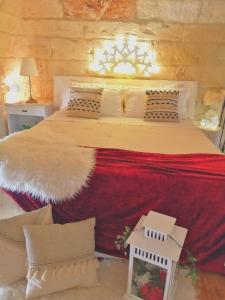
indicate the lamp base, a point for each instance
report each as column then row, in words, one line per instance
column 31, row 100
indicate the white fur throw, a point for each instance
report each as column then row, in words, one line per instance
column 45, row 163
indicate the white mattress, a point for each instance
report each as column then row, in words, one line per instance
column 135, row 134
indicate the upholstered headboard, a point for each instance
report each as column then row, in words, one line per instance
column 61, row 84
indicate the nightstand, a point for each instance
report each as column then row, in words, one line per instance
column 213, row 134
column 23, row 115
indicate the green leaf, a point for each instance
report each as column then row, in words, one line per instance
column 192, row 259
column 127, row 229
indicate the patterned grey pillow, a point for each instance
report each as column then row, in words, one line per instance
column 161, row 106
column 84, row 103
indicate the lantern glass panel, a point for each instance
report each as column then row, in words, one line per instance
column 148, row 280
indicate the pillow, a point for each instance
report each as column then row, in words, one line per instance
column 112, row 103
column 12, row 243
column 161, row 106
column 60, row 257
column 84, row 103
column 135, row 101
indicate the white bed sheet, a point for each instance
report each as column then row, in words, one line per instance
column 135, row 134
column 123, row 120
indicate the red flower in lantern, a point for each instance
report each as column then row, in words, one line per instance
column 162, row 275
column 156, row 294
column 145, row 291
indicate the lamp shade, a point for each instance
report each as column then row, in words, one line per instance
column 28, row 67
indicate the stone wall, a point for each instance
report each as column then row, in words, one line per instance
column 62, row 35
column 10, row 27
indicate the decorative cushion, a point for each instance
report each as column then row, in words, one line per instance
column 12, row 243
column 60, row 257
column 161, row 106
column 84, row 103
column 135, row 100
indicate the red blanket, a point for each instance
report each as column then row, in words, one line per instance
column 127, row 184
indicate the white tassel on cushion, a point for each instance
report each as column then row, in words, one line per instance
column 62, row 270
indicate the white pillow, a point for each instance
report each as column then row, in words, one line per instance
column 112, row 103
column 135, row 101
column 60, row 257
column 12, row 243
column 185, row 106
column 65, row 98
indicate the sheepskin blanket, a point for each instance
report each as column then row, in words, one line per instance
column 45, row 164
column 113, row 284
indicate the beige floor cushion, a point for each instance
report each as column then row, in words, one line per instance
column 12, row 243
column 60, row 257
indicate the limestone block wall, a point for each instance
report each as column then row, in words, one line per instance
column 10, row 28
column 63, row 35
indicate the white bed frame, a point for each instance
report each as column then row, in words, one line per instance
column 61, row 84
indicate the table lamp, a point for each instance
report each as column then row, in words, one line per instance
column 29, row 68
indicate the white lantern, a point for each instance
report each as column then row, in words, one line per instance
column 155, row 248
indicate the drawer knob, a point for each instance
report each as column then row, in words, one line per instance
column 24, row 110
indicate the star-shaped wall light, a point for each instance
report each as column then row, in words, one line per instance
column 125, row 57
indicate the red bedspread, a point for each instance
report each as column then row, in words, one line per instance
column 127, row 184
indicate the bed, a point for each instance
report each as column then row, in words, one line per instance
column 171, row 168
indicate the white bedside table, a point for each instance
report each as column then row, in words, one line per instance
column 24, row 115
column 213, row 135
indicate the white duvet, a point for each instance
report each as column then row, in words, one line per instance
column 47, row 163
column 134, row 134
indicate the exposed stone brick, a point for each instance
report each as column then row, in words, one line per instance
column 42, row 9
column 212, row 11
column 162, row 32
column 106, row 30
column 6, row 45
column 67, row 49
column 67, row 67
column 169, row 10
column 100, row 9
column 13, row 7
column 214, row 33
column 32, row 46
column 10, row 24
column 54, row 28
